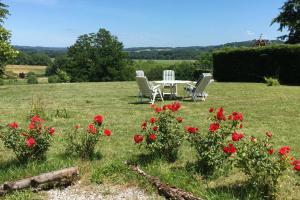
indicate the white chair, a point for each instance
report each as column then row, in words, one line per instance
column 169, row 75
column 146, row 90
column 197, row 91
column 139, row 73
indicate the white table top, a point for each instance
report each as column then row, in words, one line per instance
column 173, row 82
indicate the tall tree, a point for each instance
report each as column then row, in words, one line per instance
column 289, row 18
column 6, row 50
column 98, row 57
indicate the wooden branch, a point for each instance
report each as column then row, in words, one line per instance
column 164, row 189
column 49, row 180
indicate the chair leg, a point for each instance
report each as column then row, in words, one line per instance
column 160, row 95
column 153, row 98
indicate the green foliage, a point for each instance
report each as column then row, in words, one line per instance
column 32, row 79
column 60, row 63
column 289, row 19
column 54, row 79
column 98, row 57
column 38, row 107
column 163, row 135
column 253, row 64
column 205, row 61
column 63, row 76
column 27, row 144
column 1, row 81
column 62, row 113
column 82, row 143
column 271, row 81
column 256, row 158
column 31, row 59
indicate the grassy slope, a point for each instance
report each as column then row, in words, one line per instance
column 26, row 68
column 265, row 108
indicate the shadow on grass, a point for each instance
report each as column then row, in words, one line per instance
column 143, row 159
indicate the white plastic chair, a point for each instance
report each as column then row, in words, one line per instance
column 197, row 91
column 146, row 90
column 139, row 73
column 169, row 75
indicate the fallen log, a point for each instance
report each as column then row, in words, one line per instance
column 59, row 178
column 165, row 190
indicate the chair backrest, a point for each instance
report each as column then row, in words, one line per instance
column 168, row 75
column 139, row 73
column 200, row 87
column 144, row 86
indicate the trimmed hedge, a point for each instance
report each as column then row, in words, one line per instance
column 253, row 64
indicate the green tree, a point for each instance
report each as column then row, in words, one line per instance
column 6, row 50
column 98, row 57
column 205, row 61
column 289, row 18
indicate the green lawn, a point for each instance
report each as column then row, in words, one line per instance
column 265, row 108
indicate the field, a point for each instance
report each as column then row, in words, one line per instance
column 167, row 62
column 40, row 70
column 265, row 108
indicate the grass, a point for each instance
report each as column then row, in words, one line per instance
column 40, row 70
column 265, row 108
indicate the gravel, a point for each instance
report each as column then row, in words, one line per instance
column 103, row 192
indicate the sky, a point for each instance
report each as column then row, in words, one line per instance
column 140, row 23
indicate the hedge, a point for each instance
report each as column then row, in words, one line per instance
column 253, row 64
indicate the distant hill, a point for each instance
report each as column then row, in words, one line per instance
column 165, row 53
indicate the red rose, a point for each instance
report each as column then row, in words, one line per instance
column 155, row 128
column 241, row 135
column 31, row 126
column 269, row 134
column 30, row 142
column 214, row 127
column 144, row 125
column 175, row 106
column 211, row 110
column 107, row 132
column 241, row 126
column 235, row 136
column 220, row 114
column 13, row 125
column 152, row 120
column 37, row 119
column 158, row 109
column 179, row 119
column 271, row 151
column 51, row 131
column 230, row 149
column 284, row 150
column 92, row 129
column 235, row 116
column 297, row 168
column 98, row 119
column 138, row 138
column 152, row 137
column 192, row 129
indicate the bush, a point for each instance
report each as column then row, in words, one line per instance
column 163, row 134
column 212, row 161
column 32, row 79
column 54, row 79
column 28, row 144
column 82, row 143
column 271, row 81
column 63, row 76
column 22, row 75
column 253, row 64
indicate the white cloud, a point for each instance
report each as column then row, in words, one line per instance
column 250, row 33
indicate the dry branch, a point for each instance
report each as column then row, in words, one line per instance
column 165, row 189
column 59, row 178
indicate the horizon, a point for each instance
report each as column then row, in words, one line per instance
column 52, row 23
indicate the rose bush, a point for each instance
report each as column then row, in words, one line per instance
column 28, row 144
column 162, row 134
column 82, row 142
column 215, row 147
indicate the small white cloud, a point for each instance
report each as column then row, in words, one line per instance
column 250, row 33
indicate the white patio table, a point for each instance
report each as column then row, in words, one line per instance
column 173, row 83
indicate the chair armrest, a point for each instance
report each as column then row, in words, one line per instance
column 155, row 87
column 190, row 85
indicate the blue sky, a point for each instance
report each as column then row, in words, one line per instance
column 58, row 23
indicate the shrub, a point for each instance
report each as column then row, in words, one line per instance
column 54, row 79
column 271, row 81
column 22, row 75
column 253, row 64
column 30, row 74
column 162, row 134
column 63, row 76
column 82, row 142
column 32, row 79
column 259, row 161
column 28, row 144
column 214, row 151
